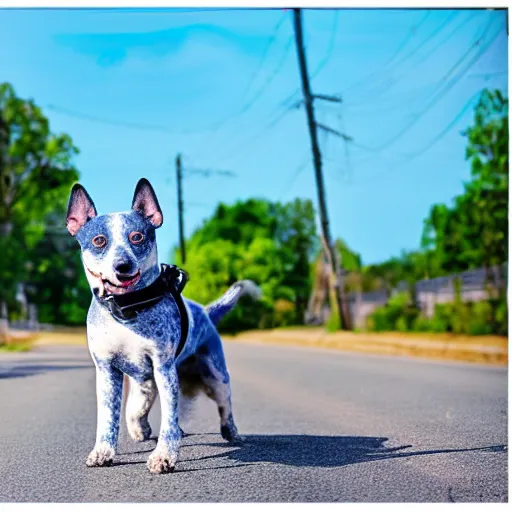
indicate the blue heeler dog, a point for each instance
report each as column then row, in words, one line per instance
column 135, row 324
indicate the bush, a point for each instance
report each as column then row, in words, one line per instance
column 500, row 308
column 284, row 313
column 479, row 318
column 442, row 321
column 397, row 315
column 421, row 324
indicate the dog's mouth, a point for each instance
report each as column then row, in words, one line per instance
column 124, row 283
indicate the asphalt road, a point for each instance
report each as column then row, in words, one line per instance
column 320, row 426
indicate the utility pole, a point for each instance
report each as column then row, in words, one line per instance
column 333, row 258
column 180, row 174
column 180, row 208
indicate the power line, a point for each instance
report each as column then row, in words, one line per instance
column 486, row 76
column 253, row 137
column 289, row 184
column 450, row 125
column 270, row 42
column 214, row 126
column 412, row 32
column 412, row 156
column 441, row 93
column 376, row 92
column 248, row 105
column 286, row 102
column 269, row 80
column 330, row 47
column 346, row 145
column 443, row 41
column 271, row 77
column 422, row 59
column 102, row 120
column 410, row 35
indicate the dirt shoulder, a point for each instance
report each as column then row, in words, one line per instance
column 477, row 349
column 451, row 347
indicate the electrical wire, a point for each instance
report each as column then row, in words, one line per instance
column 330, row 48
column 442, row 133
column 213, row 140
column 316, row 71
column 270, row 42
column 289, row 184
column 442, row 91
column 376, row 92
column 212, row 127
column 412, row 156
column 401, row 46
column 226, row 156
column 102, row 120
column 486, row 76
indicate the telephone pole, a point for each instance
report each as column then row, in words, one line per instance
column 180, row 208
column 180, row 174
column 333, row 257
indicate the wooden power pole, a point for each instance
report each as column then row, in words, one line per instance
column 333, row 258
column 180, row 172
column 179, row 179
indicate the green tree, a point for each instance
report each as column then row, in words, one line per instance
column 36, row 173
column 56, row 280
column 270, row 243
column 474, row 231
column 297, row 240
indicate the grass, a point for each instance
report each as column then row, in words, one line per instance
column 23, row 342
column 18, row 343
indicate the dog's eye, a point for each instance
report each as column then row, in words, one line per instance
column 136, row 237
column 99, row 241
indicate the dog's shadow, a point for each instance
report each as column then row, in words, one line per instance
column 315, row 451
column 308, row 450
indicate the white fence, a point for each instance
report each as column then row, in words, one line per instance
column 475, row 285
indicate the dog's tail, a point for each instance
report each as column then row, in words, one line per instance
column 216, row 310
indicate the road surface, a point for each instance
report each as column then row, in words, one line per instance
column 320, row 426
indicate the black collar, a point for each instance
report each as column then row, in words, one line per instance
column 171, row 281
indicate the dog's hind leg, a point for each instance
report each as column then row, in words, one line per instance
column 214, row 374
column 141, row 397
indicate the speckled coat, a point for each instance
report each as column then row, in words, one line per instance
column 120, row 255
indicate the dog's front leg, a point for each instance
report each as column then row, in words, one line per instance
column 109, row 391
column 163, row 458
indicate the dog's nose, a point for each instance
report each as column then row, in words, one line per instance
column 123, row 266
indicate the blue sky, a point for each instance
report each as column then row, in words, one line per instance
column 135, row 87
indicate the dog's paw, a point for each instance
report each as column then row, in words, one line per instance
column 161, row 462
column 138, row 431
column 231, row 435
column 100, row 456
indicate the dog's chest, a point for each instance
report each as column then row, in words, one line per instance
column 122, row 345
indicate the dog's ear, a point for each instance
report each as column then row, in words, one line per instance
column 146, row 203
column 81, row 209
